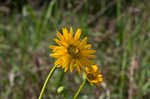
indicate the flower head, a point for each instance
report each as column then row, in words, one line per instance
column 93, row 75
column 71, row 52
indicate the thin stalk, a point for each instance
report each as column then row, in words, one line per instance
column 124, row 63
column 46, row 81
column 81, row 86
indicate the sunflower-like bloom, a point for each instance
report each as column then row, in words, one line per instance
column 93, row 75
column 71, row 52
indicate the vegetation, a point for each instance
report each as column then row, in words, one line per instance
column 118, row 30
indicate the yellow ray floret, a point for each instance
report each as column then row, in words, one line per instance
column 71, row 52
column 93, row 75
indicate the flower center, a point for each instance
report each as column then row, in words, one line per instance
column 73, row 51
column 90, row 76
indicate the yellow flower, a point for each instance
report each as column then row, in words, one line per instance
column 71, row 52
column 93, row 75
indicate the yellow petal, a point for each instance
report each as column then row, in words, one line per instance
column 66, row 68
column 77, row 35
column 58, row 62
column 95, row 68
column 55, row 55
column 86, row 52
column 53, row 47
column 78, row 65
column 91, row 51
column 78, row 69
column 72, row 65
column 66, row 62
column 60, row 36
column 88, row 70
column 71, row 33
column 71, row 30
column 86, row 62
column 65, row 33
column 100, row 79
column 83, row 42
column 88, row 46
column 60, row 43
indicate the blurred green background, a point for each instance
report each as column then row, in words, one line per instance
column 118, row 29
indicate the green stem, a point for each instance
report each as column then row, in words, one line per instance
column 46, row 81
column 81, row 86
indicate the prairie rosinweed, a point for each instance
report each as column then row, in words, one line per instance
column 93, row 75
column 71, row 52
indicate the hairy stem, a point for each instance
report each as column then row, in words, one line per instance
column 46, row 81
column 81, row 86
